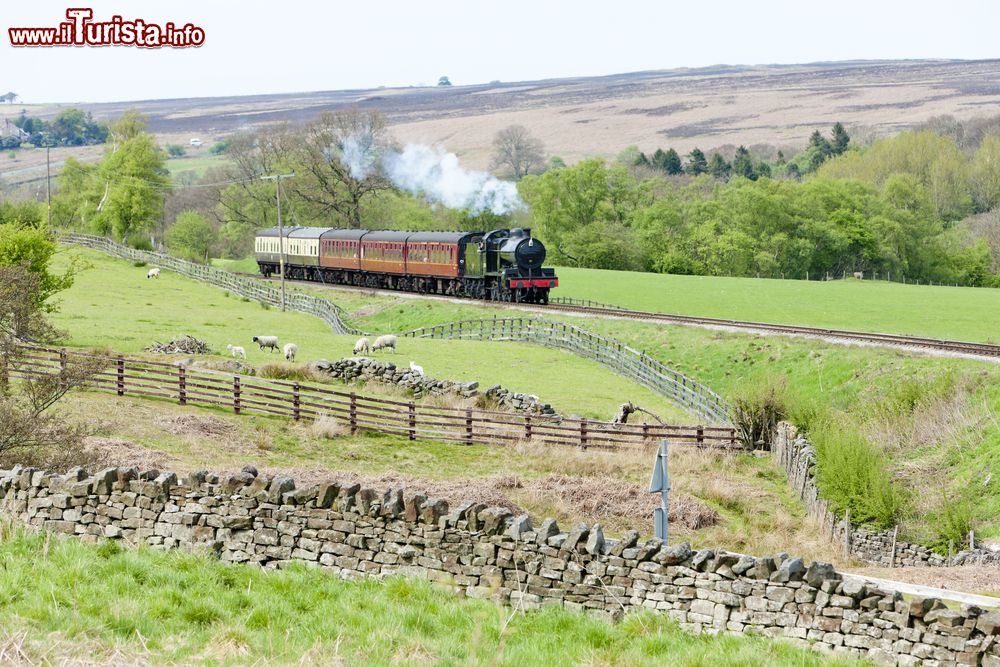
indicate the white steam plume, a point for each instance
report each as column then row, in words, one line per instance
column 434, row 174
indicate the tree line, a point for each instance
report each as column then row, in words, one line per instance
column 70, row 127
column 895, row 207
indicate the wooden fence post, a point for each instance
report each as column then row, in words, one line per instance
column 700, row 436
column 181, row 385
column 62, row 369
column 527, row 427
column 412, row 421
column 120, row 384
column 468, row 427
column 296, row 413
column 583, row 434
column 236, row 394
column 354, row 413
column 847, row 533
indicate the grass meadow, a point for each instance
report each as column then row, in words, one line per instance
column 864, row 305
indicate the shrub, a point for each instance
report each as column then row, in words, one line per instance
column 952, row 522
column 290, row 372
column 757, row 411
column 139, row 263
column 853, row 473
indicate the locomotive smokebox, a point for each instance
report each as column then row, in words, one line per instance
column 520, row 250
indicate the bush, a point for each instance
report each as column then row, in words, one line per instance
column 952, row 522
column 853, row 473
column 757, row 411
column 139, row 264
column 290, row 372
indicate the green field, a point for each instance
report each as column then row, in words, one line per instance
column 104, row 605
column 113, row 304
column 196, row 165
column 964, row 313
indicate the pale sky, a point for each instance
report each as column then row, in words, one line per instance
column 256, row 47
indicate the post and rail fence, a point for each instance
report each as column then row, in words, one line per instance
column 257, row 290
column 612, row 354
column 124, row 376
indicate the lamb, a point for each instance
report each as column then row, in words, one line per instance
column 270, row 342
column 419, row 370
column 237, row 351
column 362, row 346
column 384, row 342
column 290, row 350
column 153, row 273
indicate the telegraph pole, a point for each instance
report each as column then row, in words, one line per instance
column 281, row 229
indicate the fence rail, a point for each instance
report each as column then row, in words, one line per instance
column 608, row 352
column 125, row 376
column 327, row 311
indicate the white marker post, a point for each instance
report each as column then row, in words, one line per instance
column 661, row 483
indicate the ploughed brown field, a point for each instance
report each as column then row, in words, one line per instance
column 586, row 116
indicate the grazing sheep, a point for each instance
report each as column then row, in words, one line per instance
column 270, row 342
column 237, row 351
column 153, row 273
column 290, row 350
column 362, row 346
column 419, row 370
column 384, row 342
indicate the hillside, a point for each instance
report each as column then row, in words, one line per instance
column 586, row 116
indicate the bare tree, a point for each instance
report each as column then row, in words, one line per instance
column 337, row 163
column 30, row 432
column 515, row 148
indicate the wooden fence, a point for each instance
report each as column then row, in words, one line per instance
column 608, row 352
column 257, row 290
column 242, row 394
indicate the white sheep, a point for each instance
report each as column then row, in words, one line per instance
column 237, row 351
column 270, row 342
column 419, row 370
column 363, row 345
column 384, row 342
column 290, row 350
column 153, row 272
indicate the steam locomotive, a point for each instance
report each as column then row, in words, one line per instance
column 502, row 265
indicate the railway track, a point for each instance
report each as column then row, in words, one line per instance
column 938, row 345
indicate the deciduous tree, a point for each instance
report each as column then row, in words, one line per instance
column 517, row 150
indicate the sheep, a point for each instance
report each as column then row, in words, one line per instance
column 270, row 342
column 237, row 351
column 362, row 346
column 153, row 273
column 290, row 350
column 384, row 342
column 419, row 370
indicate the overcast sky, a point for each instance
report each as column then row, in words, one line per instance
column 254, row 46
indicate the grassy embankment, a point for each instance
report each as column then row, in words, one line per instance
column 195, row 166
column 113, row 606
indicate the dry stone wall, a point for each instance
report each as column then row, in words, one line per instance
column 882, row 548
column 487, row 552
column 370, row 370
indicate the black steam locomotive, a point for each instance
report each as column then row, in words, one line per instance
column 502, row 265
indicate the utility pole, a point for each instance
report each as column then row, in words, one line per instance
column 281, row 229
column 48, row 185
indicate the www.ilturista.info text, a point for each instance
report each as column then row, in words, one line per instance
column 82, row 30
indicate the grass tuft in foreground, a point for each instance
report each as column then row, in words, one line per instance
column 61, row 600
